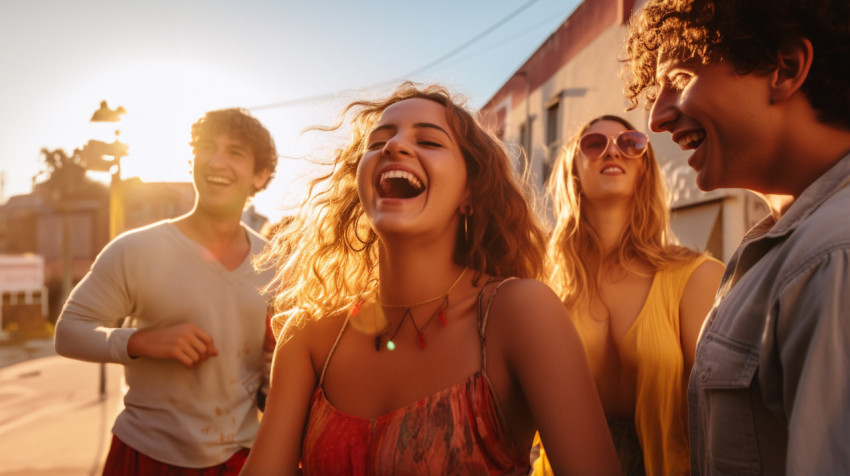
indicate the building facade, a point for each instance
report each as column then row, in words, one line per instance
column 68, row 234
column 576, row 75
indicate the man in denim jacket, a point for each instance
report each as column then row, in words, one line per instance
column 758, row 91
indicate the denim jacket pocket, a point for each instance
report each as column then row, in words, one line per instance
column 725, row 383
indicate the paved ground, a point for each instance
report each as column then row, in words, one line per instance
column 13, row 352
column 53, row 420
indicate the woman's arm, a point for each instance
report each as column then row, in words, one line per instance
column 694, row 306
column 547, row 360
column 277, row 448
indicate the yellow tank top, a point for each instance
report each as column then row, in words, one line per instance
column 653, row 346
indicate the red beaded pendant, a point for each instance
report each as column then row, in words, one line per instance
column 421, row 341
column 442, row 317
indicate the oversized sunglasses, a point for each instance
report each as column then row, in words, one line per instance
column 632, row 144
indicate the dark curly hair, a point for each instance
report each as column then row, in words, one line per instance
column 241, row 125
column 748, row 34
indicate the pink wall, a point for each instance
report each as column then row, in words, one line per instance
column 588, row 21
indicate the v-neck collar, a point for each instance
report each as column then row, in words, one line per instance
column 204, row 255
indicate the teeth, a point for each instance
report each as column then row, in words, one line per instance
column 612, row 168
column 415, row 182
column 691, row 140
column 221, row 180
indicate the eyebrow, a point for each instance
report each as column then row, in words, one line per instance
column 235, row 144
column 661, row 70
column 418, row 125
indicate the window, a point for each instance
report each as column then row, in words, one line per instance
column 552, row 131
column 553, row 136
column 523, row 135
column 525, row 142
column 501, row 114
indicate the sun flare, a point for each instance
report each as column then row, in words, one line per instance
column 162, row 99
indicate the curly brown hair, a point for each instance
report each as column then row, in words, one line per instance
column 241, row 125
column 327, row 258
column 749, row 35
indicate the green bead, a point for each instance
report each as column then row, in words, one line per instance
column 390, row 345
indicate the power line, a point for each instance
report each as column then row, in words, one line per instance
column 321, row 97
column 468, row 43
column 501, row 42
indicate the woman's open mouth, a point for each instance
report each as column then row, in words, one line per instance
column 399, row 184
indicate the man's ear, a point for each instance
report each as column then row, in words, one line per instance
column 260, row 178
column 794, row 60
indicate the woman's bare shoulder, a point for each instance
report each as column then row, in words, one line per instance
column 315, row 336
column 526, row 291
column 523, row 302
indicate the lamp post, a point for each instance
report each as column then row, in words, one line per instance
column 96, row 150
column 95, row 153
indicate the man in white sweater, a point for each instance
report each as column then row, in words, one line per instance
column 192, row 344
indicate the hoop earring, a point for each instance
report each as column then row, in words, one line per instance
column 466, row 227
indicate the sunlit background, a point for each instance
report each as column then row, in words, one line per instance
column 168, row 62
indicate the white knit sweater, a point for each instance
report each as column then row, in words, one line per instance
column 159, row 277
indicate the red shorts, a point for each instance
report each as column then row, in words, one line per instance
column 125, row 461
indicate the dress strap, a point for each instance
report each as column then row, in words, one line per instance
column 484, row 314
column 333, row 348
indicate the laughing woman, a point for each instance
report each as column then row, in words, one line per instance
column 637, row 300
column 406, row 344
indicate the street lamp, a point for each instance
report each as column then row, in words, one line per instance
column 104, row 114
column 97, row 156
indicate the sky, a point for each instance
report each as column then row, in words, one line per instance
column 167, row 62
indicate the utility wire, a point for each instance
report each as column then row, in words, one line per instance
column 320, row 97
column 470, row 42
column 501, row 42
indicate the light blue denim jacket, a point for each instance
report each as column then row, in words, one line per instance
column 770, row 389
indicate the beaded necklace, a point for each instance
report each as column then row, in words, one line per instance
column 377, row 309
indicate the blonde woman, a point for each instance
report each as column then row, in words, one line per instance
column 637, row 299
column 405, row 348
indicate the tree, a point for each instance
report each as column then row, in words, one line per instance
column 64, row 185
column 66, row 178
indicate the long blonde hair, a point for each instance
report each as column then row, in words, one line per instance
column 327, row 257
column 647, row 235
